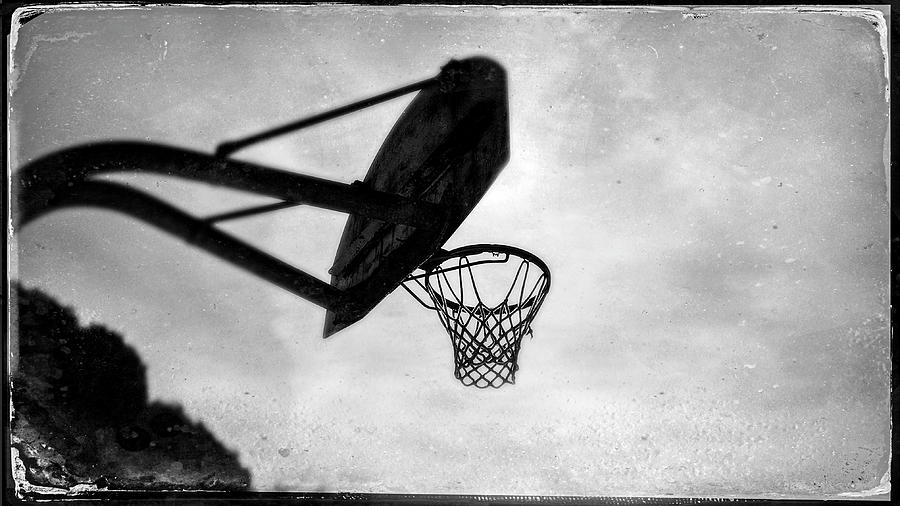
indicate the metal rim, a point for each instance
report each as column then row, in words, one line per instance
column 435, row 261
column 430, row 268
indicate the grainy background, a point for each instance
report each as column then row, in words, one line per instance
column 708, row 189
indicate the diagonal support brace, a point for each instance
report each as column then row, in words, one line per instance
column 198, row 233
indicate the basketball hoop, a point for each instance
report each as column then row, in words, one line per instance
column 486, row 323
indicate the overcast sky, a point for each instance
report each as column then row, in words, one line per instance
column 710, row 193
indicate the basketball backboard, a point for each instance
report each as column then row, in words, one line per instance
column 447, row 148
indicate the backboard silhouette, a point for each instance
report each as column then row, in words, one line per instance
column 446, row 149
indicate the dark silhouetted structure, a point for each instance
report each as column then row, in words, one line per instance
column 81, row 416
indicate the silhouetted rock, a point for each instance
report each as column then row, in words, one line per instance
column 81, row 414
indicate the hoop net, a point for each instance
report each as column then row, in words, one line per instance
column 486, row 324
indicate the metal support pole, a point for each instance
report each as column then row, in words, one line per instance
column 56, row 173
column 196, row 232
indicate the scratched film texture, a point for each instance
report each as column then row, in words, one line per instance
column 709, row 190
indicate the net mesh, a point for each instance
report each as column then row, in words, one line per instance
column 486, row 330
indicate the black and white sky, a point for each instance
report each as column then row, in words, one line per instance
column 709, row 190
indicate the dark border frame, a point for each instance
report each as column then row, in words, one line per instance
column 278, row 498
